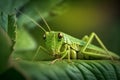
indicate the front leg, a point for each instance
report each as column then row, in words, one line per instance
column 37, row 52
column 65, row 52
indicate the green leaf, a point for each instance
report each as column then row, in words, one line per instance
column 7, row 40
column 3, row 20
column 5, row 50
column 12, row 27
column 76, row 70
column 8, row 6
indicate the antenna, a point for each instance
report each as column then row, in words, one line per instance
column 32, row 20
column 44, row 20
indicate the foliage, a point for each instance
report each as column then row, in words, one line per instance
column 77, row 70
column 18, row 46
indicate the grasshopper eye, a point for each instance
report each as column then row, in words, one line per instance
column 44, row 36
column 60, row 35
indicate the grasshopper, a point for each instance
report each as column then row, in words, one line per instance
column 61, row 45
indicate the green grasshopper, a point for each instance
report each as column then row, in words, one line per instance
column 61, row 45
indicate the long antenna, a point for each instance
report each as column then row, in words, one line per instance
column 32, row 20
column 44, row 20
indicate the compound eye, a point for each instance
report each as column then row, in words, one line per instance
column 44, row 36
column 60, row 35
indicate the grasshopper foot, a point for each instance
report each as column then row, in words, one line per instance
column 55, row 60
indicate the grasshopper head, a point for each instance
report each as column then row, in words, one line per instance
column 53, row 41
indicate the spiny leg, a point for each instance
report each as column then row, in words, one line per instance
column 40, row 47
column 92, row 36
